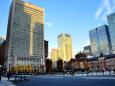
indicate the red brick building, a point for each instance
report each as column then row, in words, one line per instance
column 105, row 63
column 80, row 62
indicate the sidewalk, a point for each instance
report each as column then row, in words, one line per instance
column 106, row 73
column 4, row 82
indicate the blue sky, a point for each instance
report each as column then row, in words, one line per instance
column 75, row 17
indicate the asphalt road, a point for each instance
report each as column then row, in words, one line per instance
column 68, row 81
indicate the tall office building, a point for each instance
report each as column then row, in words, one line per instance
column 100, row 41
column 54, row 54
column 65, row 50
column 87, row 50
column 111, row 23
column 25, row 35
column 2, row 39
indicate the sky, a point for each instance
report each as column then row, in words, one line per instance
column 74, row 17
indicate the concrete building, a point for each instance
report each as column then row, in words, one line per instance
column 111, row 24
column 65, row 50
column 100, row 41
column 25, row 35
column 54, row 57
column 54, row 54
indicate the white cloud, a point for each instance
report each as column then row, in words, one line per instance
column 104, row 10
column 108, row 7
column 97, row 14
column 87, row 43
column 48, row 24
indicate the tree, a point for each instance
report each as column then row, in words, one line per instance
column 16, row 68
column 60, row 64
column 48, row 64
column 31, row 68
column 86, row 65
column 26, row 68
column 22, row 68
column 12, row 69
column 38, row 69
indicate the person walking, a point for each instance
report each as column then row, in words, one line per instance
column 9, row 75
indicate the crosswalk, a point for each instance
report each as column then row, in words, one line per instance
column 4, row 82
column 71, row 77
column 105, row 78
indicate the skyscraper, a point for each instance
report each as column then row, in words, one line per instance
column 65, row 50
column 87, row 50
column 111, row 23
column 100, row 41
column 54, row 54
column 25, row 35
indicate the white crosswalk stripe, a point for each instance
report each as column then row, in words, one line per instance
column 5, row 82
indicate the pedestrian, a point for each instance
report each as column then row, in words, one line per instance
column 9, row 75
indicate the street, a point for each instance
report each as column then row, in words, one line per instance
column 68, row 81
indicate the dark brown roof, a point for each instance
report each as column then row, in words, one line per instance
column 80, row 55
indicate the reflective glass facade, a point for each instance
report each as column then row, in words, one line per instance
column 100, row 41
column 111, row 23
column 25, row 34
column 87, row 50
column 65, row 50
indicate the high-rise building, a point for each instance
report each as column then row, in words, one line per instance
column 100, row 41
column 2, row 39
column 87, row 50
column 45, row 48
column 25, row 35
column 111, row 24
column 54, row 54
column 65, row 50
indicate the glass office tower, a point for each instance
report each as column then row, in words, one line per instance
column 65, row 50
column 25, row 35
column 111, row 23
column 100, row 41
column 87, row 50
